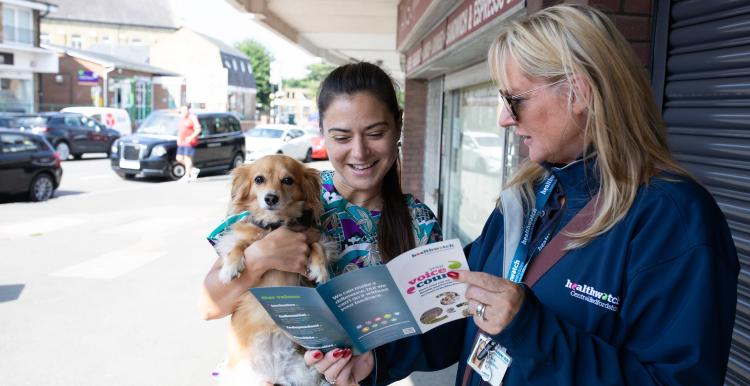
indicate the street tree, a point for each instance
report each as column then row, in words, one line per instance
column 316, row 72
column 260, row 59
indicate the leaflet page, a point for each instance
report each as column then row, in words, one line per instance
column 369, row 306
column 304, row 316
column 421, row 274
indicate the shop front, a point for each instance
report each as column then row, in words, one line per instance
column 467, row 156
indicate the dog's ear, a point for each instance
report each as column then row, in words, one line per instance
column 242, row 179
column 311, row 186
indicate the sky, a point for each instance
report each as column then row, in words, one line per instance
column 220, row 20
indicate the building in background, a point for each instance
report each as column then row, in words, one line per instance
column 21, row 59
column 295, row 107
column 218, row 77
column 87, row 78
column 120, row 28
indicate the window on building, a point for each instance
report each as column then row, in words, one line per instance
column 242, row 66
column 76, row 41
column 18, row 25
column 234, row 64
column 136, row 41
column 105, row 39
column 16, row 95
column 44, row 38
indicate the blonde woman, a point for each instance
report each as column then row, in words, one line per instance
column 605, row 263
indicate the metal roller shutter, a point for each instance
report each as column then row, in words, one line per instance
column 701, row 78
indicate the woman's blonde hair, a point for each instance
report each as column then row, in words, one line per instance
column 623, row 125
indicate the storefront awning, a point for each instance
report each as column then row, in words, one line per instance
column 336, row 31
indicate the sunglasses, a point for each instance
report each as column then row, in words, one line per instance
column 513, row 101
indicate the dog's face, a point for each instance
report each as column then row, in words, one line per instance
column 274, row 187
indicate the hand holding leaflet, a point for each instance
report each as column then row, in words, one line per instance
column 372, row 306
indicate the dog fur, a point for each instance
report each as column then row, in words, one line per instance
column 276, row 190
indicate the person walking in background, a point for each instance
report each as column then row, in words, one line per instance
column 187, row 140
column 605, row 262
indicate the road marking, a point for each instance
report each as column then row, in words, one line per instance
column 110, row 265
column 99, row 177
column 153, row 226
column 41, row 226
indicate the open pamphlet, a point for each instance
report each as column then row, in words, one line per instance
column 372, row 306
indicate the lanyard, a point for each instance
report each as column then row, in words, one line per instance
column 522, row 257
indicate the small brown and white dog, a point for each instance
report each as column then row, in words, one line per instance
column 277, row 191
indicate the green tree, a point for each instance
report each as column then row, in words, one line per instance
column 316, row 72
column 260, row 59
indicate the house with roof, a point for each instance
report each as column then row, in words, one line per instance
column 218, row 76
column 22, row 60
column 88, row 78
column 120, row 28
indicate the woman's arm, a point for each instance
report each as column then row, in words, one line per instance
column 282, row 249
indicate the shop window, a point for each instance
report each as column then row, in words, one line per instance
column 16, row 95
column 476, row 160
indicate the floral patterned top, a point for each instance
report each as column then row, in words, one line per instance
column 355, row 229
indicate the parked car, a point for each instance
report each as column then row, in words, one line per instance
column 8, row 120
column 319, row 150
column 28, row 165
column 152, row 150
column 278, row 139
column 113, row 118
column 71, row 134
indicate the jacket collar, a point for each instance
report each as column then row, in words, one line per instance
column 579, row 180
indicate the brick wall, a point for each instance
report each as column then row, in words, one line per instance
column 67, row 91
column 632, row 18
column 414, row 137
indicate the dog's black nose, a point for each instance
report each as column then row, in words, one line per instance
column 271, row 199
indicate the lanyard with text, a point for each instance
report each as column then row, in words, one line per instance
column 522, row 257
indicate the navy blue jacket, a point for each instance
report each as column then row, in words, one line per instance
column 650, row 302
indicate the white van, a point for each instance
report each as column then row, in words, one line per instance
column 117, row 119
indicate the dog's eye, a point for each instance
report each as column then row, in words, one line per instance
column 287, row 181
column 259, row 180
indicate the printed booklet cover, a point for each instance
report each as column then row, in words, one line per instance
column 372, row 306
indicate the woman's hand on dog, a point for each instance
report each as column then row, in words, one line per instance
column 340, row 366
column 282, row 250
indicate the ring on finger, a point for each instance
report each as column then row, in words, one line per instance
column 332, row 382
column 481, row 308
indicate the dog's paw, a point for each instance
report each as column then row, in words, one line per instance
column 230, row 271
column 318, row 273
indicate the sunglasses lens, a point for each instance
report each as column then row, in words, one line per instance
column 514, row 109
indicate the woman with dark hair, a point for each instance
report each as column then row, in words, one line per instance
column 365, row 211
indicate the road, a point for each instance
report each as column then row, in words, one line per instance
column 98, row 285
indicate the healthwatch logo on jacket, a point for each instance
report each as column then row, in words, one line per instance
column 590, row 294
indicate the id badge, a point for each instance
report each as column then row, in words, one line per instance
column 489, row 360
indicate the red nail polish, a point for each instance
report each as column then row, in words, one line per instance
column 453, row 275
column 347, row 353
column 317, row 355
column 338, row 353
